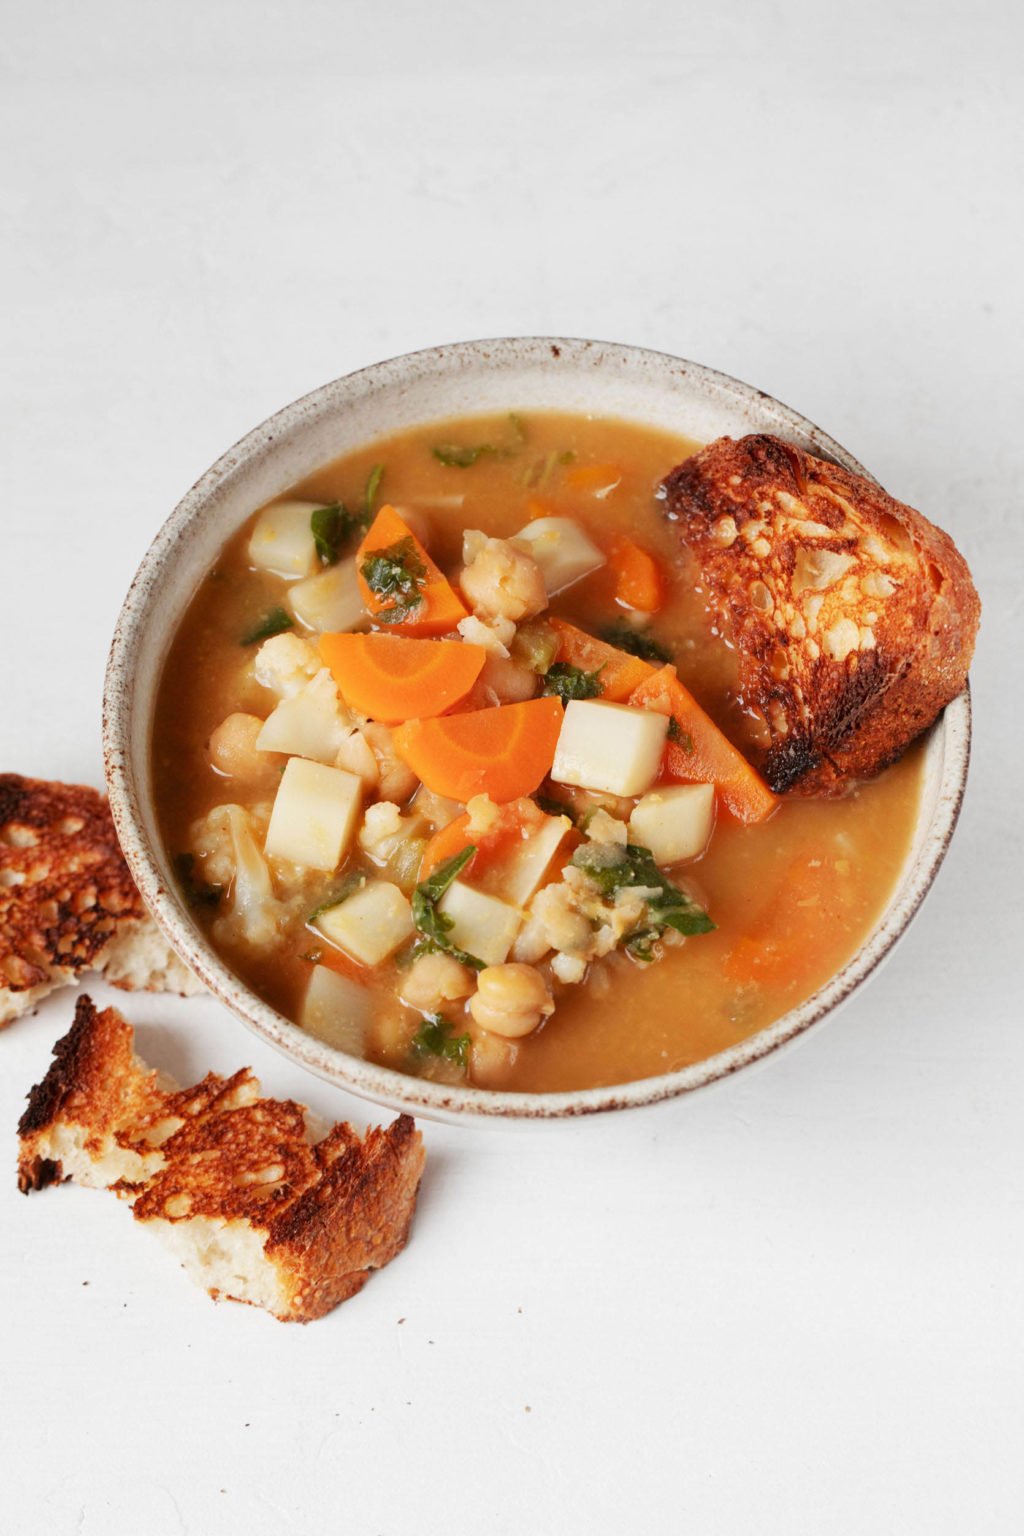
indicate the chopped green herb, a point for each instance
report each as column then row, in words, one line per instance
column 460, row 458
column 434, row 926
column 465, row 455
column 552, row 807
column 373, row 486
column 636, row 642
column 196, row 892
column 433, row 1039
column 352, row 882
column 614, row 869
column 396, row 572
column 334, row 528
column 541, row 470
column 275, row 623
column 569, row 682
column 678, row 735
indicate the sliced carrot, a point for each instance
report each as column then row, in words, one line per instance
column 337, row 960
column 639, row 579
column 493, row 843
column 439, row 609
column 504, row 752
column 780, row 946
column 392, row 679
column 620, row 672
column 599, row 479
column 702, row 754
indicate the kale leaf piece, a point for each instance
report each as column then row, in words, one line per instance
column 435, row 927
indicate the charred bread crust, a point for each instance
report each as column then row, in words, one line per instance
column 65, row 886
column 854, row 618
column 321, row 1214
column 67, row 900
column 94, row 1082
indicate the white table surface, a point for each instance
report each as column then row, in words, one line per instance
column 792, row 1304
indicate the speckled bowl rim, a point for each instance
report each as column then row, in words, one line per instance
column 381, row 1084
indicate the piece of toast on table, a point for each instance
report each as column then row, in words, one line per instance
column 853, row 616
column 67, row 901
column 258, row 1205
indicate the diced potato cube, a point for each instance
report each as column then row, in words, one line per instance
column 329, row 602
column 674, row 822
column 310, row 724
column 370, row 924
column 282, row 541
column 609, row 747
column 336, row 1009
column 529, row 863
column 315, row 814
column 481, row 925
column 562, row 550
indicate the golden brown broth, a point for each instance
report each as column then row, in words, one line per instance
column 807, row 885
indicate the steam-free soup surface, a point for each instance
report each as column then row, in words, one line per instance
column 791, row 896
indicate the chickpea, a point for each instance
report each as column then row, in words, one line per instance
column 491, row 1058
column 504, row 582
column 510, row 1000
column 506, row 682
column 433, row 980
column 233, row 751
column 397, row 780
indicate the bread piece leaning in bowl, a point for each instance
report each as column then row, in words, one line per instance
column 853, row 616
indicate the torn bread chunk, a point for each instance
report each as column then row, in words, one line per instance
column 67, row 900
column 853, row 616
column 258, row 1205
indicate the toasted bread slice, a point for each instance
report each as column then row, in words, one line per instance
column 255, row 1205
column 853, row 616
column 67, row 901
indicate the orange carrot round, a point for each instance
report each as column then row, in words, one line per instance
column 504, row 752
column 639, row 579
column 393, row 679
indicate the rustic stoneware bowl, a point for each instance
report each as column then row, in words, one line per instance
column 524, row 374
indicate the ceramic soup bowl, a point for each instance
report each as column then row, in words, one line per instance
column 471, row 377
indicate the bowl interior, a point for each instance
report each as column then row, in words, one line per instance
column 535, row 374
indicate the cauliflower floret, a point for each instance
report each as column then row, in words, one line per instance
column 575, row 918
column 227, row 846
column 495, row 635
column 285, row 664
column 569, row 968
column 602, row 828
column 483, row 814
column 384, row 829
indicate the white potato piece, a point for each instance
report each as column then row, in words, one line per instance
column 370, row 924
column 674, row 822
column 311, row 724
column 562, row 550
column 315, row 814
column 481, row 925
column 329, row 602
column 609, row 747
column 282, row 541
column 529, row 864
column 336, row 1010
